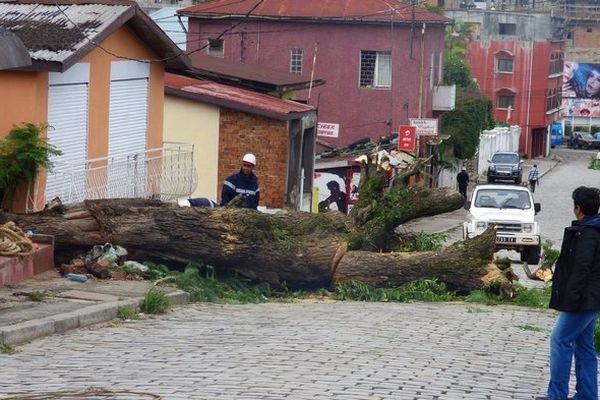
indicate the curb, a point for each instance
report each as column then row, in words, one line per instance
column 29, row 330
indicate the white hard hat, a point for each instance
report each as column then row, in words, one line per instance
column 249, row 158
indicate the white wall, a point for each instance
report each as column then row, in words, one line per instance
column 497, row 139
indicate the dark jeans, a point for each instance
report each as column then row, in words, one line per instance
column 462, row 190
column 532, row 184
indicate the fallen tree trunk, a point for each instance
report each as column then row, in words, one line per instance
column 463, row 266
column 299, row 249
column 296, row 248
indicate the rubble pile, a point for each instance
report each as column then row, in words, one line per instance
column 105, row 262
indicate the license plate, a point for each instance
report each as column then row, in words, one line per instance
column 506, row 240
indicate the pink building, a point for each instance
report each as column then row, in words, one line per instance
column 381, row 59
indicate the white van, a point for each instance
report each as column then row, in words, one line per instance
column 512, row 210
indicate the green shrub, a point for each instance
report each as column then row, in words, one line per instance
column 155, row 302
column 594, row 163
column 550, row 253
column 22, row 154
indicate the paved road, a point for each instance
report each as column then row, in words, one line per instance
column 345, row 351
column 331, row 350
column 555, row 190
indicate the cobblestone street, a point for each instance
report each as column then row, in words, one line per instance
column 336, row 350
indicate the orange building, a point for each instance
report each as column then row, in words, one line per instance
column 97, row 79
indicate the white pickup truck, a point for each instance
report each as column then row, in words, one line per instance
column 512, row 210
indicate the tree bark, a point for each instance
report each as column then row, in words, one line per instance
column 299, row 249
column 463, row 266
column 295, row 248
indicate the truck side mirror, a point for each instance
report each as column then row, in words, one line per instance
column 537, row 207
column 467, row 205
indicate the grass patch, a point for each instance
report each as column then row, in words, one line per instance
column 155, row 302
column 126, row 313
column 6, row 349
column 533, row 298
column 203, row 285
column 482, row 297
column 531, row 328
column 37, row 295
column 421, row 290
column 424, row 241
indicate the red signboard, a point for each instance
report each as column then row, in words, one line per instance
column 406, row 138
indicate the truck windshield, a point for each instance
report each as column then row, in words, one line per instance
column 502, row 198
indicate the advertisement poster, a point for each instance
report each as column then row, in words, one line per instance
column 581, row 89
column 407, row 138
column 332, row 191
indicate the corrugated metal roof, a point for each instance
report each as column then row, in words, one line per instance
column 14, row 54
column 48, row 31
column 235, row 98
column 281, row 80
column 345, row 10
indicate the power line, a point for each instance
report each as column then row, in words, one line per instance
column 98, row 45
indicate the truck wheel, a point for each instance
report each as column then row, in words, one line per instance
column 533, row 256
column 524, row 254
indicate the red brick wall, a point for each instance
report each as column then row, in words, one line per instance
column 241, row 133
column 584, row 39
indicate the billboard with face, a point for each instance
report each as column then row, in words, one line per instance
column 581, row 89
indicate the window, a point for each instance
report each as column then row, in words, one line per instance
column 296, row 61
column 435, row 69
column 553, row 99
column 507, row 29
column 375, row 69
column 216, row 48
column 506, row 101
column 557, row 61
column 505, row 65
column 589, row 30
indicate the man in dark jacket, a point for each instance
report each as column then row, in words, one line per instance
column 463, row 181
column 243, row 183
column 576, row 294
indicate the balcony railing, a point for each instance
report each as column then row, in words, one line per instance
column 165, row 173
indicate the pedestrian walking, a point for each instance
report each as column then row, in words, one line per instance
column 576, row 295
column 243, row 183
column 463, row 182
column 534, row 178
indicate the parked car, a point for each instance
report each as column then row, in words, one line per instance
column 584, row 140
column 505, row 165
column 512, row 210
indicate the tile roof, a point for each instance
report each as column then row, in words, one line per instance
column 257, row 77
column 235, row 98
column 58, row 33
column 357, row 11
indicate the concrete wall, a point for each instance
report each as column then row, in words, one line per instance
column 197, row 123
column 360, row 112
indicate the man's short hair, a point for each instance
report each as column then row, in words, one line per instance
column 588, row 199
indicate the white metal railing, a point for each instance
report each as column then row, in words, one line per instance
column 165, row 173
